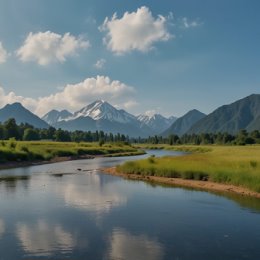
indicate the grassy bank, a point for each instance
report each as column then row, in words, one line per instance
column 19, row 151
column 236, row 165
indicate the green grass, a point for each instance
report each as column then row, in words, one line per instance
column 237, row 165
column 40, row 150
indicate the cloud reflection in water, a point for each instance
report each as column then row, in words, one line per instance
column 94, row 196
column 124, row 245
column 43, row 239
column 2, row 228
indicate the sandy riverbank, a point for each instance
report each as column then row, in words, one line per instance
column 204, row 185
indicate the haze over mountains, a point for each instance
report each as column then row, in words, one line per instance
column 100, row 115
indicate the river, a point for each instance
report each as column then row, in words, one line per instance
column 70, row 210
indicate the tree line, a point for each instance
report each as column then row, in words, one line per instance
column 241, row 138
column 26, row 132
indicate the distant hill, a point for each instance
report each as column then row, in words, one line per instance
column 184, row 123
column 21, row 115
column 242, row 114
column 156, row 122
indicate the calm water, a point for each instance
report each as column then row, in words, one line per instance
column 56, row 211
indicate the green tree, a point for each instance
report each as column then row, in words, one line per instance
column 31, row 134
column 62, row 136
column 12, row 129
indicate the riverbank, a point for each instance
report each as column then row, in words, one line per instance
column 10, row 165
column 231, row 165
column 15, row 154
column 201, row 185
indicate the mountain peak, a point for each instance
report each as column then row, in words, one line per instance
column 101, row 109
column 184, row 123
column 21, row 115
column 100, row 101
column 15, row 105
column 55, row 116
column 156, row 122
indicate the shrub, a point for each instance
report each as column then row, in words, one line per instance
column 253, row 164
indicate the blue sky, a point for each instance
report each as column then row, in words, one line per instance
column 179, row 55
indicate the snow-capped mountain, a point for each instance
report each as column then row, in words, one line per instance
column 156, row 122
column 55, row 116
column 101, row 109
column 100, row 115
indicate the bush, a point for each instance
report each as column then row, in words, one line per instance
column 151, row 159
column 253, row 164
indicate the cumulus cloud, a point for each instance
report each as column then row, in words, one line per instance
column 100, row 64
column 3, row 54
column 75, row 96
column 47, row 47
column 186, row 23
column 11, row 97
column 134, row 31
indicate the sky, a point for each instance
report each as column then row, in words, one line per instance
column 164, row 57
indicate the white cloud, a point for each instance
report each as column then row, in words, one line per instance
column 130, row 104
column 134, row 31
column 47, row 47
column 75, row 96
column 3, row 54
column 11, row 97
column 100, row 64
column 186, row 23
column 151, row 112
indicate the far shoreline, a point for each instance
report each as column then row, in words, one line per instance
column 201, row 185
column 15, row 164
column 18, row 164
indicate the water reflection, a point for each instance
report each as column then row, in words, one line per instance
column 88, row 192
column 42, row 239
column 2, row 228
column 59, row 212
column 124, row 245
column 11, row 182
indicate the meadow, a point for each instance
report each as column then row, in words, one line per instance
column 19, row 151
column 236, row 165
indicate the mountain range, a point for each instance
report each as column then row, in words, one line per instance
column 242, row 114
column 156, row 122
column 100, row 115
